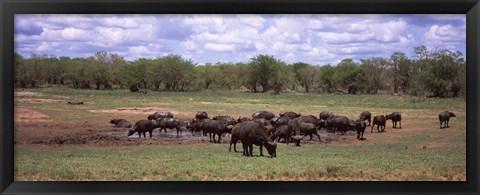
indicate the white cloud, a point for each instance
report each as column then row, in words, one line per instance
column 220, row 47
column 443, row 33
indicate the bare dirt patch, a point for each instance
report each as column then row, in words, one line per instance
column 133, row 110
column 27, row 93
column 29, row 115
column 36, row 100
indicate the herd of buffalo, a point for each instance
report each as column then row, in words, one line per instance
column 264, row 128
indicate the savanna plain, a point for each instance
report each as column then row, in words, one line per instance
column 63, row 142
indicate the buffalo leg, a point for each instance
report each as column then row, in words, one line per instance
column 311, row 137
column 150, row 132
column 245, row 149
column 219, row 138
column 250, row 149
column 261, row 149
column 319, row 139
column 139, row 135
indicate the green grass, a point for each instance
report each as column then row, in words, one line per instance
column 402, row 157
column 244, row 104
column 381, row 161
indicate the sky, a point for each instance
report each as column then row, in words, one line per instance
column 313, row 39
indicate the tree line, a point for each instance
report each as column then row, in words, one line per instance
column 433, row 73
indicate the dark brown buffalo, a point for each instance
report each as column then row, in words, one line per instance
column 395, row 117
column 298, row 127
column 234, row 138
column 290, row 114
column 158, row 115
column 280, row 121
column 201, row 115
column 366, row 115
column 263, row 114
column 170, row 123
column 325, row 115
column 215, row 127
column 142, row 126
column 251, row 133
column 228, row 119
column 121, row 123
column 342, row 124
column 380, row 122
column 243, row 119
column 444, row 117
column 195, row 125
column 360, row 126
column 281, row 132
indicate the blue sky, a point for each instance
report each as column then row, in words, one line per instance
column 314, row 39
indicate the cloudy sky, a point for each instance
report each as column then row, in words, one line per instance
column 314, row 39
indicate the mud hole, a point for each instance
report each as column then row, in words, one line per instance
column 93, row 135
column 29, row 115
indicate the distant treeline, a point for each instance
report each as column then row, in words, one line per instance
column 438, row 73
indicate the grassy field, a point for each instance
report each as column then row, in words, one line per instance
column 419, row 151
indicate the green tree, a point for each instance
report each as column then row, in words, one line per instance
column 374, row 68
column 350, row 76
column 262, row 71
column 325, row 78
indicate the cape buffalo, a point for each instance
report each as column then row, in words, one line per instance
column 360, row 127
column 252, row 132
column 342, row 124
column 263, row 114
column 281, row 132
column 234, row 138
column 380, row 122
column 444, row 117
column 215, row 127
column 142, row 126
column 170, row 123
column 366, row 115
column 243, row 119
column 395, row 117
column 228, row 119
column 201, row 115
column 158, row 115
column 290, row 114
column 121, row 123
column 298, row 127
column 325, row 115
column 280, row 121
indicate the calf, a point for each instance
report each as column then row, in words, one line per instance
column 444, row 117
column 395, row 117
column 380, row 122
column 142, row 126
